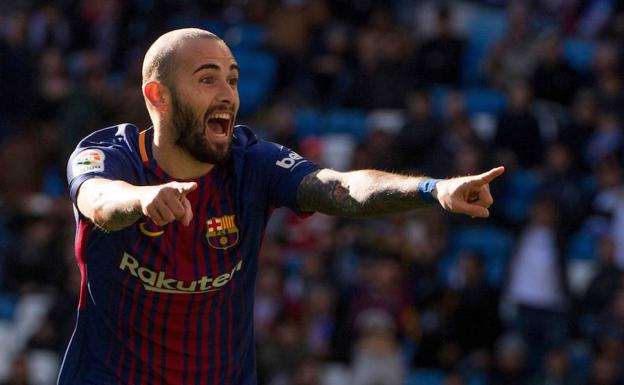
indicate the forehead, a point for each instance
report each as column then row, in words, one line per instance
column 195, row 52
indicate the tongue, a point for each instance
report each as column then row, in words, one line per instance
column 215, row 127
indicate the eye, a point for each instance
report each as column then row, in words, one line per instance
column 233, row 81
column 207, row 80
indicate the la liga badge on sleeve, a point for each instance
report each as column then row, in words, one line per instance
column 90, row 160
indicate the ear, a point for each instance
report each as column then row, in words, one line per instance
column 154, row 92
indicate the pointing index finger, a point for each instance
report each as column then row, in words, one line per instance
column 489, row 176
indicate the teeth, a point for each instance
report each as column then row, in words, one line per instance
column 220, row 115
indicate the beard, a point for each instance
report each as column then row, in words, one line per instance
column 189, row 127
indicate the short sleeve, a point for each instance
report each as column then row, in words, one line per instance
column 107, row 153
column 91, row 162
column 283, row 170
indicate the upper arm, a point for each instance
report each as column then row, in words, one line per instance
column 281, row 171
column 88, row 195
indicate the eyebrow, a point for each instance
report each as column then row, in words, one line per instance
column 213, row 66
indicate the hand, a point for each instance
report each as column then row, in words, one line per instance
column 167, row 202
column 469, row 194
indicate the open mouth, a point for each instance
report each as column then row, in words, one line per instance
column 219, row 123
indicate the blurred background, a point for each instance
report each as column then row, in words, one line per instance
column 533, row 295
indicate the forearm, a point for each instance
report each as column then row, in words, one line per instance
column 111, row 205
column 359, row 193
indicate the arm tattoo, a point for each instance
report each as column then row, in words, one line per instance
column 358, row 193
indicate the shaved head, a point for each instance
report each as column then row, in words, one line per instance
column 160, row 58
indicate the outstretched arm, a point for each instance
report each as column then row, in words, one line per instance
column 113, row 204
column 369, row 192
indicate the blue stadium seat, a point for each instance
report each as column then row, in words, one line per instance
column 309, row 122
column 493, row 243
column 438, row 100
column 425, row 377
column 478, row 379
column 580, row 53
column 479, row 100
column 7, row 307
column 345, row 121
column 521, row 188
column 258, row 70
column 484, row 101
column 582, row 246
column 246, row 36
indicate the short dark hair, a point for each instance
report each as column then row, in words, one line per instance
column 159, row 60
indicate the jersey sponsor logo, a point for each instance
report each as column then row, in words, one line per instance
column 144, row 228
column 91, row 160
column 291, row 161
column 221, row 232
column 159, row 282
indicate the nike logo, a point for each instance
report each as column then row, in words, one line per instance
column 145, row 231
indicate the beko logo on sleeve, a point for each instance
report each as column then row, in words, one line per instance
column 292, row 159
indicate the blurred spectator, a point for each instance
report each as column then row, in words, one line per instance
column 554, row 79
column 376, row 357
column 510, row 358
column 381, row 287
column 90, row 106
column 455, row 142
column 576, row 133
column 35, row 251
column 476, row 323
column 54, row 85
column 605, row 371
column 557, row 370
column 514, row 57
column 281, row 126
column 48, row 27
column 561, row 183
column 455, row 378
column 16, row 68
column 609, row 329
column 537, row 283
column 329, row 68
column 269, row 302
column 283, row 352
column 420, row 132
column 606, row 281
column 382, row 156
column 19, row 372
column 289, row 27
column 439, row 58
column 307, row 373
column 319, row 323
column 518, row 130
column 381, row 77
column 606, row 140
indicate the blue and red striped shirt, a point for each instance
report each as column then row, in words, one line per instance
column 174, row 304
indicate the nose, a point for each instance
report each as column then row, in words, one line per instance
column 226, row 94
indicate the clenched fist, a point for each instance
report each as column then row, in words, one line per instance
column 167, row 202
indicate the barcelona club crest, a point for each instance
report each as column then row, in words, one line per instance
column 221, row 232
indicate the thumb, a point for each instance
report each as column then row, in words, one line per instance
column 188, row 211
column 185, row 187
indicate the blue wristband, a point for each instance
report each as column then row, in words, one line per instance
column 425, row 190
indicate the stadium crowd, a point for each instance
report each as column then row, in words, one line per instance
column 532, row 295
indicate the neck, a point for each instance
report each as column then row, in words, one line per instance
column 176, row 162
